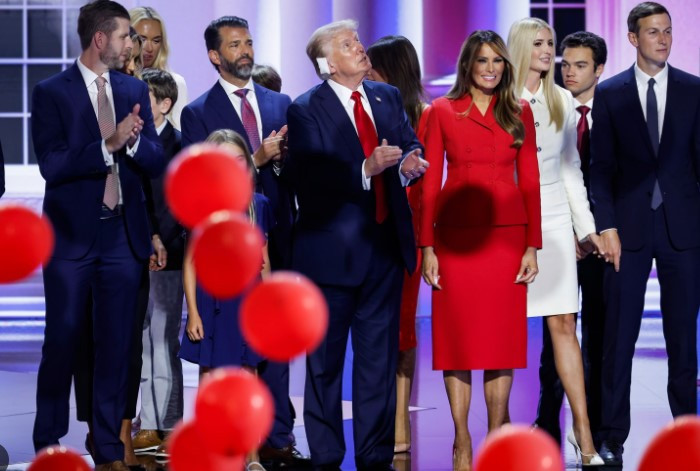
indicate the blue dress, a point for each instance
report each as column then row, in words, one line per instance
column 223, row 343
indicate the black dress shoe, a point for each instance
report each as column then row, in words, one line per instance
column 611, row 452
column 287, row 456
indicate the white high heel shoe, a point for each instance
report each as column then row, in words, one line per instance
column 595, row 459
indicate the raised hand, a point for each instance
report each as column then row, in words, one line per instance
column 383, row 157
column 414, row 166
column 273, row 147
column 128, row 130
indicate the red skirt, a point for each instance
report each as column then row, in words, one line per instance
column 479, row 317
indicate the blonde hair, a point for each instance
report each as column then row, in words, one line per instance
column 318, row 43
column 520, row 43
column 229, row 136
column 139, row 14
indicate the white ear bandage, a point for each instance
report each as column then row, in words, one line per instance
column 323, row 69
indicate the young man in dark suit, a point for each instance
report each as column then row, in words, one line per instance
column 583, row 60
column 645, row 170
column 94, row 138
column 351, row 152
column 260, row 116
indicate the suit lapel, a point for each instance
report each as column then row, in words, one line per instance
column 334, row 109
column 262, row 95
column 220, row 104
column 379, row 112
column 79, row 94
column 486, row 120
column 120, row 96
column 674, row 101
column 630, row 94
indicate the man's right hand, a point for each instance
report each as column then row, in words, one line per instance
column 383, row 157
column 612, row 247
column 128, row 131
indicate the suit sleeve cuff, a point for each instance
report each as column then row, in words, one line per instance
column 108, row 157
column 366, row 182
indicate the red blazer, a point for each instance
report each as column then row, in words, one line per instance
column 481, row 188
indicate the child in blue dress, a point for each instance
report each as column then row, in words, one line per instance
column 213, row 337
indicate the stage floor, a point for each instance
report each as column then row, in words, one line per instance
column 20, row 346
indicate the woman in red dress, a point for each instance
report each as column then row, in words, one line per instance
column 395, row 61
column 484, row 228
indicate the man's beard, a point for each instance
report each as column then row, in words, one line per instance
column 242, row 72
column 111, row 58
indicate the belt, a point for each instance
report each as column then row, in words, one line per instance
column 106, row 213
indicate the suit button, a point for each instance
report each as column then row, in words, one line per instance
column 537, row 124
column 539, row 149
column 533, row 101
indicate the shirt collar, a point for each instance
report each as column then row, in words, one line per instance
column 160, row 128
column 229, row 88
column 538, row 95
column 643, row 78
column 88, row 75
column 344, row 93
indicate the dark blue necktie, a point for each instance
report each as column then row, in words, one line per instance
column 653, row 127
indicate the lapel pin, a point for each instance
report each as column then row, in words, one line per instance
column 378, row 99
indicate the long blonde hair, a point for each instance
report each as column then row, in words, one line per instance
column 229, row 136
column 520, row 43
column 139, row 14
column 507, row 108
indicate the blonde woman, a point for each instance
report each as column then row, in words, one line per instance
column 554, row 294
column 154, row 53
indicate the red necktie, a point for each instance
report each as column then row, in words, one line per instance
column 250, row 124
column 583, row 137
column 369, row 140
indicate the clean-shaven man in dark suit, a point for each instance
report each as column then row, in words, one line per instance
column 260, row 116
column 94, row 138
column 583, row 60
column 645, row 171
column 351, row 152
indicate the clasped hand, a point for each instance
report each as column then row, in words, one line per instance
column 273, row 147
column 127, row 132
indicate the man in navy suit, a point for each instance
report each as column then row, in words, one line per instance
column 259, row 115
column 351, row 152
column 94, row 138
column 645, row 169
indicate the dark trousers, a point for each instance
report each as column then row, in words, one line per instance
column 371, row 312
column 590, row 279
column 84, row 366
column 276, row 377
column 678, row 272
column 109, row 275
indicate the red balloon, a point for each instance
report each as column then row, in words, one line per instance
column 676, row 446
column 233, row 412
column 518, row 448
column 284, row 316
column 227, row 253
column 58, row 458
column 204, row 178
column 26, row 242
column 186, row 452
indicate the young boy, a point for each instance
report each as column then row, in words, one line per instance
column 161, row 374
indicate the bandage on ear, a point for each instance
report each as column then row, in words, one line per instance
column 323, row 68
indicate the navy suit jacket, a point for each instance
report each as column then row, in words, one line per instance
column 213, row 110
column 335, row 234
column 67, row 142
column 624, row 167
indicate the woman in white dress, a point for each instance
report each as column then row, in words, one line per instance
column 154, row 53
column 566, row 215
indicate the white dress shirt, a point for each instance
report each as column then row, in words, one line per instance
column 344, row 94
column 230, row 88
column 660, row 89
